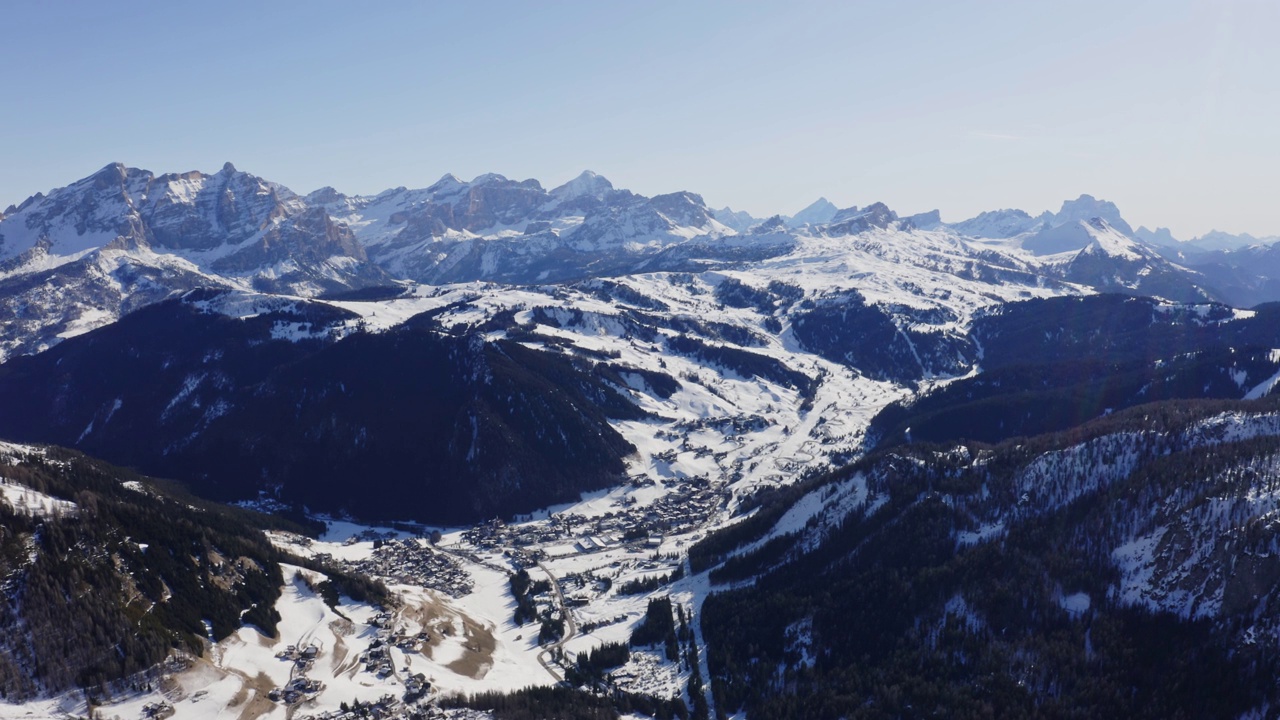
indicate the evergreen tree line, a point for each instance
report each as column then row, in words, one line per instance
column 890, row 617
column 643, row 585
column 523, row 589
column 564, row 703
column 134, row 572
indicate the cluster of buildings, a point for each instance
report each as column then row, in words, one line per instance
column 581, row 588
column 376, row 659
column 157, row 710
column 303, row 658
column 389, row 709
column 411, row 562
column 684, row 508
column 298, row 689
column 377, row 656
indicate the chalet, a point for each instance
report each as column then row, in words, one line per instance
column 416, row 686
column 158, row 711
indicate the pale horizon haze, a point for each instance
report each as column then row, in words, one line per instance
column 1169, row 109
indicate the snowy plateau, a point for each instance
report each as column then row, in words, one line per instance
column 756, row 354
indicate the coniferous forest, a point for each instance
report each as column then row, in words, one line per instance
column 124, row 573
column 892, row 616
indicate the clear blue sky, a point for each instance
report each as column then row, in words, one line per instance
column 1170, row 108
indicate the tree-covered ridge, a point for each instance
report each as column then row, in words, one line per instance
column 125, row 571
column 439, row 426
column 1118, row 569
column 1049, row 365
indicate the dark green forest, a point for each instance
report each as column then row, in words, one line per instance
column 891, row 617
column 110, row 588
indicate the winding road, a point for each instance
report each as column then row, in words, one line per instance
column 570, row 628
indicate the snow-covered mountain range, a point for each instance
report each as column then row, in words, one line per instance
column 83, row 255
column 809, row 325
column 690, row 381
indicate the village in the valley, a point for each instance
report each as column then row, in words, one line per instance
column 452, row 630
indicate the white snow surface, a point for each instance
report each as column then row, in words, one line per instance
column 27, row 501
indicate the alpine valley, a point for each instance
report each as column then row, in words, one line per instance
column 485, row 449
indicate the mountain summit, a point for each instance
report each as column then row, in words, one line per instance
column 588, row 184
column 818, row 212
column 1087, row 207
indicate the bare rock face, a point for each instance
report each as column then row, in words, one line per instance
column 308, row 238
column 84, row 215
column 494, row 228
column 683, row 208
column 189, row 211
column 499, row 202
column 85, row 254
column 486, row 202
column 307, row 250
column 194, row 211
column 182, row 212
column 854, row 220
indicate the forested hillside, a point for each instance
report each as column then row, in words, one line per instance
column 105, row 572
column 435, row 426
column 1125, row 568
column 1048, row 365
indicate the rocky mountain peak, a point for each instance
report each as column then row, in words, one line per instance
column 587, row 184
column 775, row 224
column 925, row 220
column 739, row 220
column 818, row 212
column 879, row 214
column 853, row 220
column 111, row 177
column 1160, row 236
column 845, row 214
column 1224, row 241
column 1004, row 223
column 1099, row 223
column 325, row 196
column 25, row 204
column 1087, row 207
column 446, row 185
column 488, row 178
column 683, row 208
column 190, row 176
